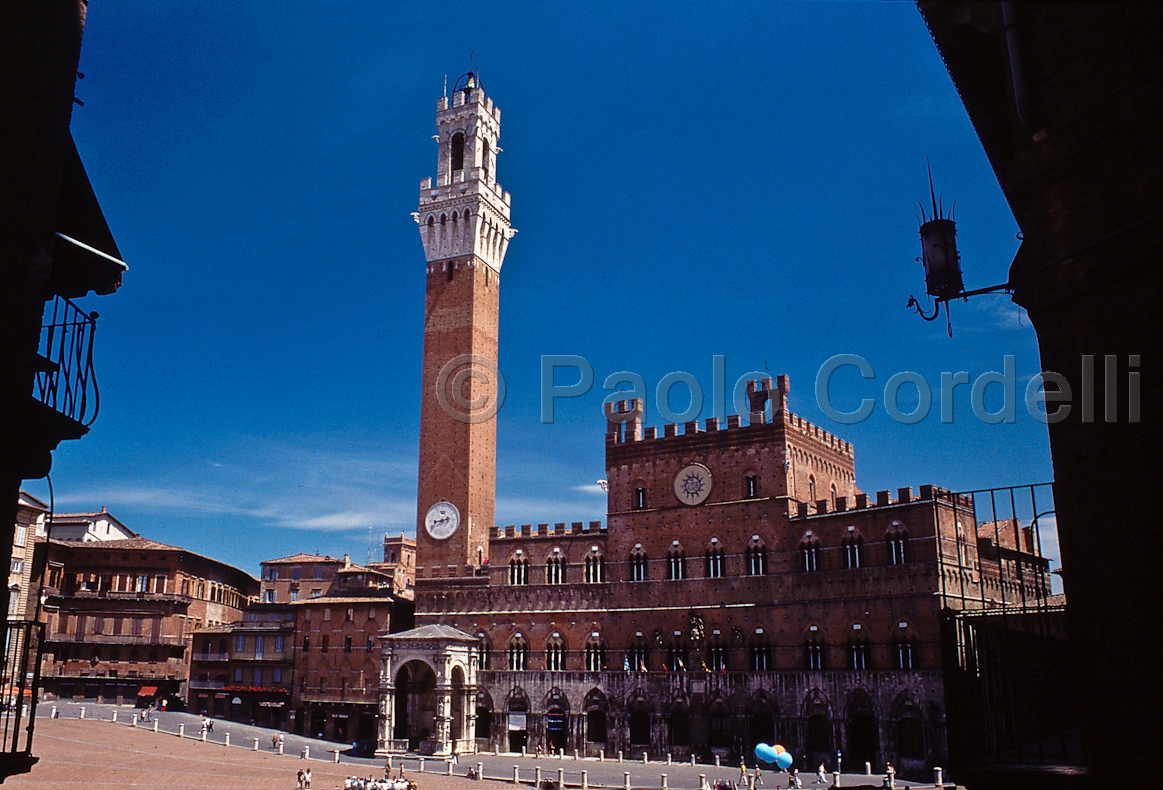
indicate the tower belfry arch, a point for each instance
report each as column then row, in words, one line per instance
column 428, row 686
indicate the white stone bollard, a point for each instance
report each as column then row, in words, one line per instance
column 625, row 780
column 55, row 713
column 835, row 779
column 560, row 779
column 938, row 776
column 585, row 780
column 867, row 768
column 561, row 754
column 421, row 767
column 524, row 752
column 645, row 758
column 702, row 782
column 450, row 766
column 256, row 744
column 114, row 719
column 226, row 739
column 664, row 786
column 601, row 755
column 133, row 721
column 82, row 711
column 203, row 735
column 669, row 757
column 575, row 754
column 335, row 755
column 155, row 725
column 480, row 771
column 280, row 747
column 516, row 775
column 619, row 755
column 537, row 777
column 692, row 759
column 181, row 729
column 306, row 755
column 717, row 761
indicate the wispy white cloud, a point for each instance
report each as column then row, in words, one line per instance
column 275, row 484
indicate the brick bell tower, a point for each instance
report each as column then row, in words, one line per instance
column 464, row 225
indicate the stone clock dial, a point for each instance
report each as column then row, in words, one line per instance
column 442, row 520
column 692, row 485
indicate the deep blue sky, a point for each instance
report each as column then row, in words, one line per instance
column 688, row 180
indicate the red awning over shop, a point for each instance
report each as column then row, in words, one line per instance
column 147, row 691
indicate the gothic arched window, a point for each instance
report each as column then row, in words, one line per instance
column 810, row 553
column 756, row 557
column 518, row 653
column 714, row 559
column 555, row 653
column 638, row 569
column 675, row 562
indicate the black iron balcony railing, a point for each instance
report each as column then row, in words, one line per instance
column 19, row 678
column 65, row 381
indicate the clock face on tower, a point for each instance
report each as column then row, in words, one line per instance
column 692, row 485
column 442, row 520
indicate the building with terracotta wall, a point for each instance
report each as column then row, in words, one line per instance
column 119, row 616
column 245, row 671
column 337, row 611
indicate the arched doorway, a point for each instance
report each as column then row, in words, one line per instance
column 762, row 729
column 457, row 713
column 640, row 728
column 415, row 703
column 863, row 737
column 556, row 729
column 518, row 716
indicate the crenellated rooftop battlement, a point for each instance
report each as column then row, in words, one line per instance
column 546, row 530
column 625, row 423
column 904, row 496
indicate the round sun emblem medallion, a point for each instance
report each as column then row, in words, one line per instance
column 692, row 485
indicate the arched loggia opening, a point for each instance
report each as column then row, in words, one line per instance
column 415, row 703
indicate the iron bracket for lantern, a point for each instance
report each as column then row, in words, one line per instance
column 942, row 262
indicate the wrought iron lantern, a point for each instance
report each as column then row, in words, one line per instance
column 942, row 261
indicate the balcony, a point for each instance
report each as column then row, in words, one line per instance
column 214, row 685
column 65, row 381
column 210, row 657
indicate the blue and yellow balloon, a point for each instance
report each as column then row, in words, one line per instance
column 773, row 755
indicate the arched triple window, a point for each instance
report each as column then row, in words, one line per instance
column 595, row 567
column 857, row 648
column 675, row 562
column 519, row 569
column 716, row 655
column 638, row 566
column 853, row 545
column 638, row 658
column 904, row 649
column 760, row 651
column 595, row 653
column 814, row 649
column 896, row 537
column 714, row 559
column 518, row 653
column 756, row 557
column 555, row 568
column 677, row 658
column 810, row 553
column 555, row 653
column 484, row 649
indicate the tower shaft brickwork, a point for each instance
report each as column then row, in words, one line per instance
column 464, row 226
